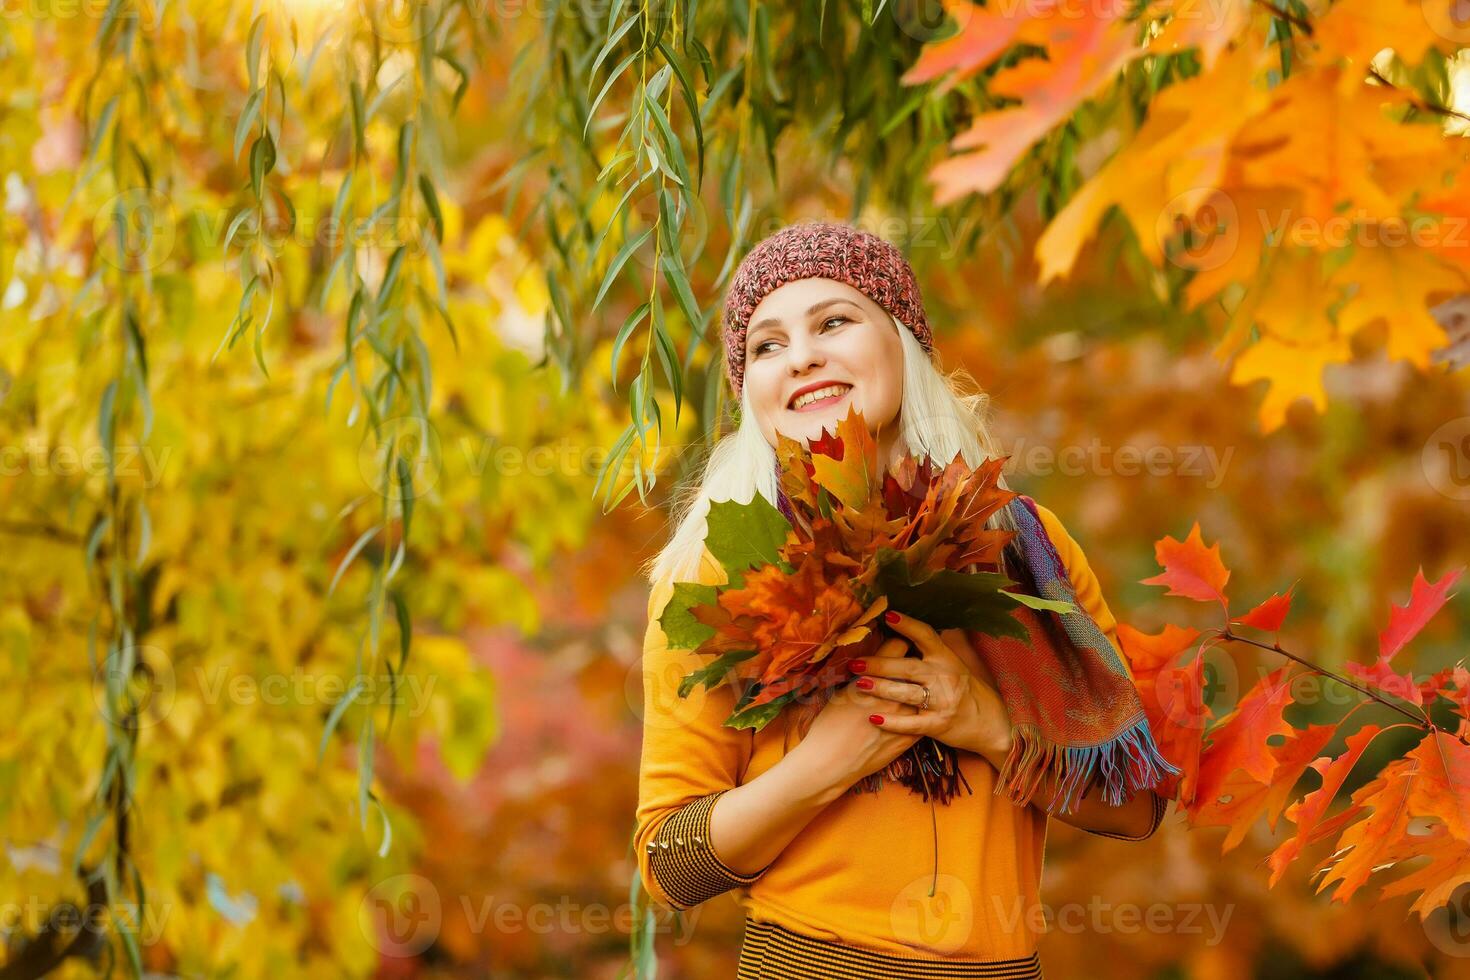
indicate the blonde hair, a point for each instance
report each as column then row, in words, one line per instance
column 940, row 415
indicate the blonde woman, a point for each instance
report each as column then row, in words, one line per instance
column 822, row 317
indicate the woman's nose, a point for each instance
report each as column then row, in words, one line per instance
column 803, row 355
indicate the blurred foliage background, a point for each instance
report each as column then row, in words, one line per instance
column 334, row 340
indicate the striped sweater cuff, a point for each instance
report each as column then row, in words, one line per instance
column 1160, row 805
column 682, row 858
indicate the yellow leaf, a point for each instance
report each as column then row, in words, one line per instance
column 1393, row 284
column 1292, row 372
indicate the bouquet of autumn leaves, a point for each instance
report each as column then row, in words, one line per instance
column 808, row 582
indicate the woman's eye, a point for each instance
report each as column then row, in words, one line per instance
column 760, row 348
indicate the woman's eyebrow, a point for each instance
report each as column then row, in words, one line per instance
column 817, row 307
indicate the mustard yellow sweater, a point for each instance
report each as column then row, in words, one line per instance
column 849, row 895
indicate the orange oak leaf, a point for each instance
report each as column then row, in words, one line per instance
column 1239, row 741
column 1293, row 372
column 1308, row 812
column 1190, row 569
column 1442, row 784
column 1448, row 869
column 984, row 33
column 1209, row 25
column 1431, row 782
column 1404, row 623
column 1378, row 839
column 1086, row 47
column 1173, row 700
column 1270, row 614
column 1241, row 799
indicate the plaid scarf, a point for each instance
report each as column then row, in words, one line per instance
column 1073, row 709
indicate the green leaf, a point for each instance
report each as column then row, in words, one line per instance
column 948, row 599
column 1036, row 602
column 252, row 48
column 359, row 121
column 713, row 672
column 262, row 161
column 616, row 72
column 663, row 344
column 390, row 275
column 624, row 332
column 684, row 632
column 744, row 536
column 431, row 201
column 670, row 142
column 247, row 118
column 691, row 103
column 335, row 716
column 758, row 716
column 616, row 266
column 365, row 768
column 351, row 554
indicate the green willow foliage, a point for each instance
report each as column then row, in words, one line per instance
column 674, row 110
column 384, row 358
column 117, row 542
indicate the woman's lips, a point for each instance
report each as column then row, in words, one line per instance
column 823, row 402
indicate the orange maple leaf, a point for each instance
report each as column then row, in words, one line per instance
column 1190, row 569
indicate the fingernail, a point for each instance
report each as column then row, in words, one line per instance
column 866, row 683
column 858, row 666
column 876, row 719
column 891, row 616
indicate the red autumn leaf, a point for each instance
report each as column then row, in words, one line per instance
column 1239, row 741
column 1379, row 838
column 1270, row 614
column 1190, row 569
column 1447, row 870
column 1307, row 813
column 1241, row 799
column 1432, row 781
column 1404, row 623
column 1442, row 784
column 1173, row 699
column 1417, row 806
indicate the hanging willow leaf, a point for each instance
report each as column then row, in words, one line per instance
column 431, row 201
column 617, row 263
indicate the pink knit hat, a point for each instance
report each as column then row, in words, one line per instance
column 827, row 250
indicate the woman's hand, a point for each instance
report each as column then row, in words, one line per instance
column 842, row 745
column 964, row 710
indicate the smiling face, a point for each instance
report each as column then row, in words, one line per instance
column 824, row 338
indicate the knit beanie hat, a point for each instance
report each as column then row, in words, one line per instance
column 827, row 250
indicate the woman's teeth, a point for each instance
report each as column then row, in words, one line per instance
column 831, row 391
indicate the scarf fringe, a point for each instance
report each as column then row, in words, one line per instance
column 1126, row 763
column 927, row 767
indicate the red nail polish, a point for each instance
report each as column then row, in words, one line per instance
column 858, row 666
column 876, row 719
column 891, row 616
column 866, row 683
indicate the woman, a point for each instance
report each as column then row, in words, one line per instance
column 822, row 317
